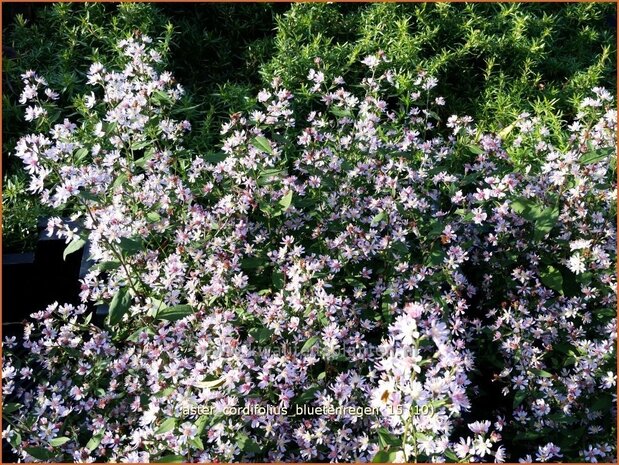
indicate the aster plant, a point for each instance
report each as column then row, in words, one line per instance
column 366, row 261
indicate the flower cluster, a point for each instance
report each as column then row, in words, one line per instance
column 362, row 258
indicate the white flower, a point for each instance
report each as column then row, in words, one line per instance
column 405, row 330
column 479, row 216
column 149, row 416
column 576, row 264
column 90, row 100
column 188, row 432
column 580, row 244
column 463, row 448
column 371, row 61
column 51, row 94
column 479, row 427
column 380, row 395
column 499, row 456
column 482, row 446
column 609, row 380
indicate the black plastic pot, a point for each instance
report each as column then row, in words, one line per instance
column 18, row 299
column 32, row 281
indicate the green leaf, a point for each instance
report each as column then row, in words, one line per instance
column 432, row 114
column 355, row 282
column 575, row 434
column 140, row 145
column 120, row 180
column 385, row 309
column 603, row 403
column 261, row 334
column 503, row 133
column 131, row 246
column 106, row 266
column 386, row 439
column 466, row 215
column 175, row 313
column 596, row 156
column 399, row 247
column 59, row 441
column 474, row 149
column 87, row 195
column 75, row 245
column 307, row 396
column 278, row 279
column 437, row 256
column 544, row 223
column 159, row 97
column 153, row 217
column 528, row 435
column 262, row 143
column 311, row 342
column 561, row 417
column 119, row 306
column 470, row 178
column 171, row 459
column 544, row 219
column 246, row 444
column 10, row 408
column 136, row 334
column 269, row 175
column 215, row 157
column 436, row 229
column 39, row 453
column 542, row 373
column 563, row 347
column 167, row 425
column 519, row 397
column 15, row 441
column 80, row 155
column 210, row 384
column 585, row 278
column 156, row 306
column 385, row 456
column 148, row 155
column 165, row 393
column 272, row 172
column 378, row 218
column 94, row 442
column 520, row 205
column 340, row 112
column 249, row 263
column 286, row 200
column 552, row 278
column 201, row 424
column 266, row 209
column 197, row 443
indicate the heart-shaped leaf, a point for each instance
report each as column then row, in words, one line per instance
column 262, row 143
column 119, row 306
column 175, row 313
column 75, row 245
column 166, row 425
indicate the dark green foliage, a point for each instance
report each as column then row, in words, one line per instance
column 216, row 54
column 493, row 61
column 20, row 214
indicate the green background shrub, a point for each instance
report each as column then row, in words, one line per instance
column 493, row 61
